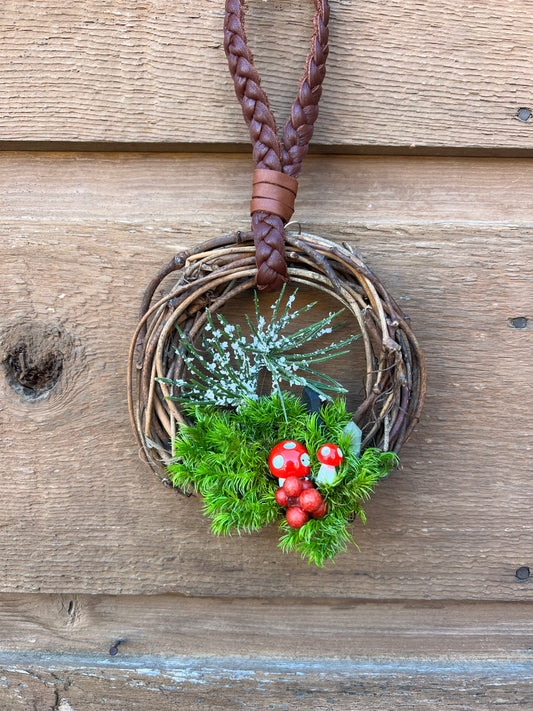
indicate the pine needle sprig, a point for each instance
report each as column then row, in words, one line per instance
column 319, row 540
column 228, row 370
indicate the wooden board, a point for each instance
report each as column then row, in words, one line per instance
column 79, row 683
column 297, row 628
column 226, row 653
column 411, row 74
column 80, row 512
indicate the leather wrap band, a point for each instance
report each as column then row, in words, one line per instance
column 273, row 192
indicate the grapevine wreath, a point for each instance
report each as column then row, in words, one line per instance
column 238, row 413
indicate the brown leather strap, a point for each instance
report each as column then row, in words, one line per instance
column 271, row 154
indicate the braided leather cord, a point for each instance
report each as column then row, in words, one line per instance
column 268, row 151
column 298, row 129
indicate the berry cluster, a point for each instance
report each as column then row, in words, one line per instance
column 301, row 499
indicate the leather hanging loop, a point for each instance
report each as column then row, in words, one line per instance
column 271, row 204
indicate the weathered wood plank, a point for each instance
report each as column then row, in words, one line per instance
column 400, row 74
column 82, row 235
column 169, row 192
column 224, row 653
column 295, row 628
column 80, row 683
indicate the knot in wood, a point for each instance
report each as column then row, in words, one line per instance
column 33, row 356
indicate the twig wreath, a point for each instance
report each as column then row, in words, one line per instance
column 292, row 454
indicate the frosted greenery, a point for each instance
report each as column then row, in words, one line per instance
column 227, row 370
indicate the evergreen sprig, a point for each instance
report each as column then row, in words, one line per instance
column 223, row 455
column 228, row 375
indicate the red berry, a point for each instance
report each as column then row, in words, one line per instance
column 307, row 484
column 281, row 496
column 292, row 501
column 321, row 511
column 310, row 500
column 293, row 486
column 296, row 518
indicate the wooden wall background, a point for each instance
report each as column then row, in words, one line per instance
column 122, row 143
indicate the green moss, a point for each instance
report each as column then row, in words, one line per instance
column 223, row 455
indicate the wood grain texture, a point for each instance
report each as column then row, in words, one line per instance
column 79, row 683
column 174, row 625
column 400, row 74
column 256, row 654
column 80, row 512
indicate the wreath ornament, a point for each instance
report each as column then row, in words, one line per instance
column 293, row 455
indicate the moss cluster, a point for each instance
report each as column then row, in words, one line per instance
column 223, row 455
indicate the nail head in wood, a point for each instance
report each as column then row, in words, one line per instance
column 518, row 322
column 523, row 114
column 113, row 650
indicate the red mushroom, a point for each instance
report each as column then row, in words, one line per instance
column 329, row 456
column 289, row 458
